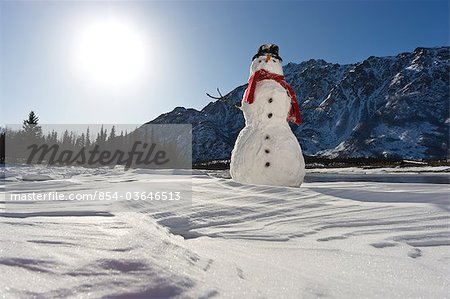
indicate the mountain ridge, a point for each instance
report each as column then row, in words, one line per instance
column 391, row 107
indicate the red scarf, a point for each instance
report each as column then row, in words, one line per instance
column 249, row 95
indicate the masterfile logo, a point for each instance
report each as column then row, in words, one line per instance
column 147, row 146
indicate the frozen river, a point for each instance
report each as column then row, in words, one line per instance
column 433, row 178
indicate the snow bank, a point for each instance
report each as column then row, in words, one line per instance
column 353, row 170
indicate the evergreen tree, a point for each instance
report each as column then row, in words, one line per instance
column 80, row 141
column 32, row 119
column 112, row 140
column 2, row 146
column 88, row 138
column 31, row 127
column 101, row 137
column 66, row 139
column 112, row 134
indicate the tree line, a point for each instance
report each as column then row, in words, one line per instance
column 17, row 142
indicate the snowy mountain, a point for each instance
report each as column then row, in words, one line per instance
column 396, row 106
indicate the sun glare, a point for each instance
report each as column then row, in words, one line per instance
column 110, row 53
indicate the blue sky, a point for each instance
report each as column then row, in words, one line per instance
column 190, row 48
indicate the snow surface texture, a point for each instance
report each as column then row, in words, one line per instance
column 396, row 106
column 334, row 240
column 266, row 151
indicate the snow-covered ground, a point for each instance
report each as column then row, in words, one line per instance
column 325, row 239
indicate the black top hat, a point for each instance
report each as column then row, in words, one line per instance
column 265, row 49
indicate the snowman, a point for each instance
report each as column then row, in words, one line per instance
column 266, row 151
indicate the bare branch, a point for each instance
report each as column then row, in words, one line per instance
column 219, row 92
column 212, row 97
column 220, row 97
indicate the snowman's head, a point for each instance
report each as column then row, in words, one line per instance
column 268, row 59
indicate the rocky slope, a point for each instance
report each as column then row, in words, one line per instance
column 396, row 106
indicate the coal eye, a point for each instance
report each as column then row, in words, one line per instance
column 273, row 60
column 259, row 61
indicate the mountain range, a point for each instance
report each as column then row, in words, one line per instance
column 382, row 107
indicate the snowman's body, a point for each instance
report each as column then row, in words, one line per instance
column 266, row 151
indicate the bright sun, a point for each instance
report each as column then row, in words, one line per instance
column 110, row 53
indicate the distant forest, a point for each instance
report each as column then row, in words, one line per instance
column 15, row 144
